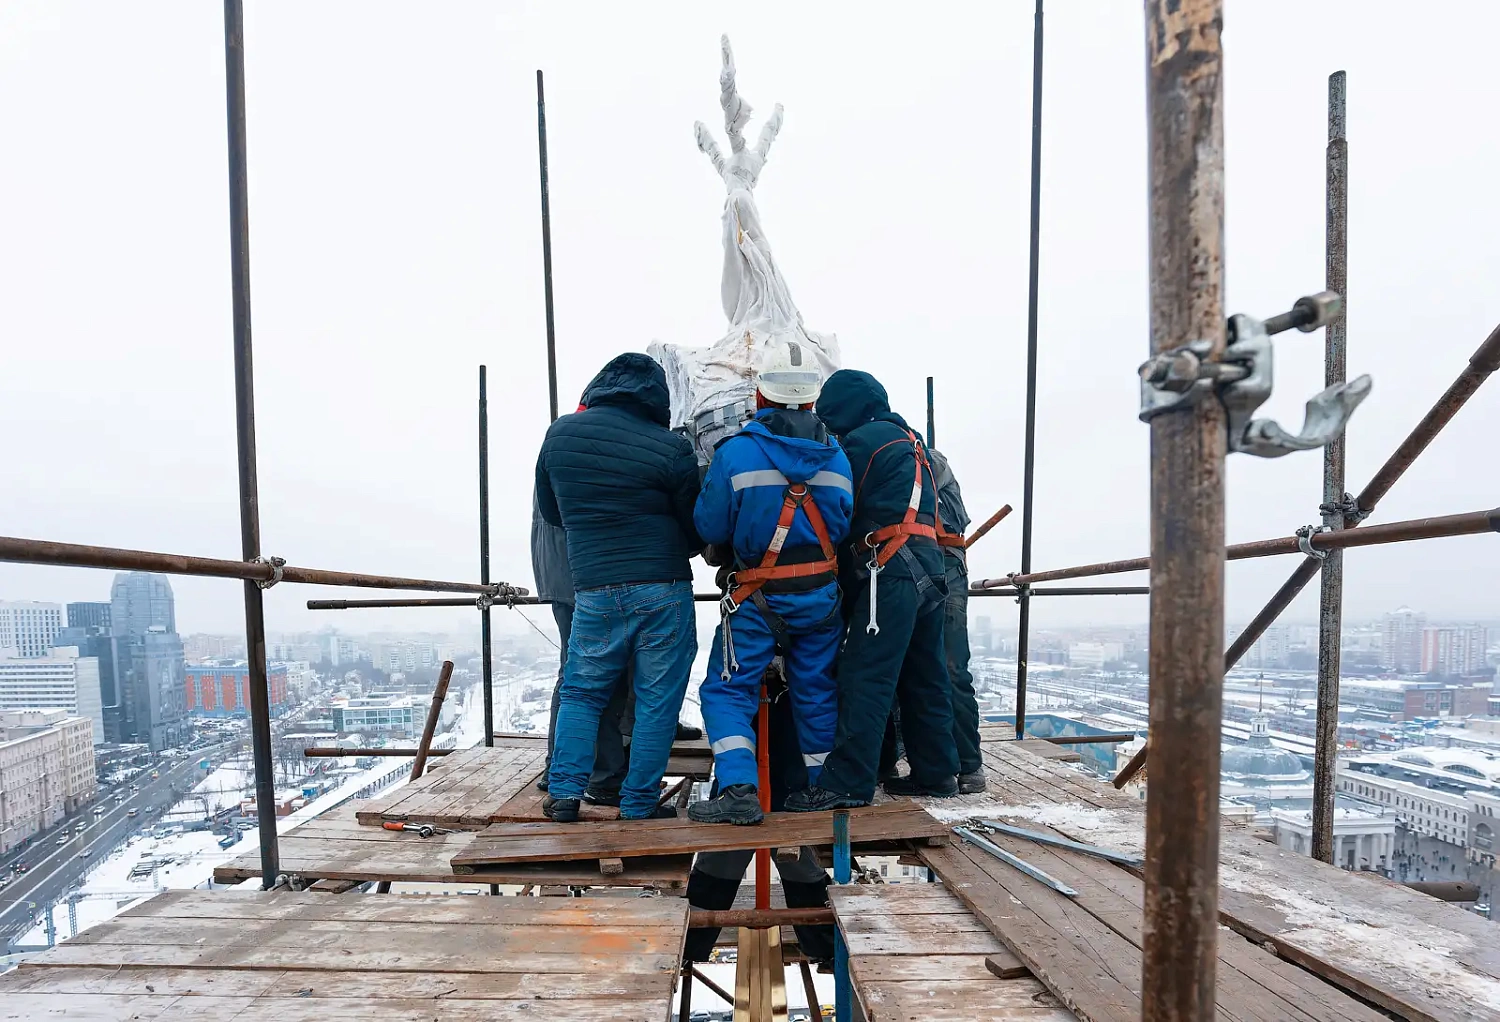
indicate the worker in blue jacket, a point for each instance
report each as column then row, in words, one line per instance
column 777, row 495
column 892, row 570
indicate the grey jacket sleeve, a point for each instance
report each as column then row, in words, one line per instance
column 549, row 557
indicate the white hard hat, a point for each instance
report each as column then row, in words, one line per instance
column 788, row 374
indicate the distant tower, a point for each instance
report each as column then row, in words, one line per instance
column 140, row 602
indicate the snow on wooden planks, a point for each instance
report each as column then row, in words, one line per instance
column 915, row 951
column 505, row 843
column 285, row 957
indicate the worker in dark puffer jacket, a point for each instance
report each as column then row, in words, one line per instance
column 894, row 649
column 623, row 487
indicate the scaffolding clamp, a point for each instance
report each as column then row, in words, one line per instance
column 1242, row 377
column 1346, row 508
column 276, row 563
column 1304, row 540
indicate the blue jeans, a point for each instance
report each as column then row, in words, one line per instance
column 651, row 626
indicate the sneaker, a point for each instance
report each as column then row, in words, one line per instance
column 659, row 813
column 595, row 797
column 972, row 783
column 686, row 732
column 737, row 804
column 816, row 800
column 912, row 789
column 560, row 810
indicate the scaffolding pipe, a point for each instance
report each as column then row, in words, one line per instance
column 1028, row 491
column 1467, row 523
column 541, row 149
column 345, row 752
column 244, row 406
column 533, row 601
column 931, row 418
column 78, row 555
column 1482, row 364
column 1331, row 591
column 486, row 652
column 1184, row 74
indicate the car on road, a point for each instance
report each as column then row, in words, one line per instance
column 133, row 811
column 4, row 883
column 21, row 867
column 85, row 853
column 62, row 840
column 98, row 810
column 80, row 828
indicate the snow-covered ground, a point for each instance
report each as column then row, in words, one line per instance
column 190, row 858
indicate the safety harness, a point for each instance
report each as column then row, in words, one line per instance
column 885, row 542
column 746, row 583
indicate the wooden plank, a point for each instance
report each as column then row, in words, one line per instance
column 113, row 1007
column 1089, row 968
column 1005, row 965
column 30, row 978
column 334, row 886
column 1382, row 943
column 530, row 842
column 1047, row 750
column 917, row 968
column 470, row 788
column 336, row 847
column 960, row 1001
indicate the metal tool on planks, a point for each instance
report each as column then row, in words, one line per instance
column 1123, row 858
column 1021, row 864
column 419, row 829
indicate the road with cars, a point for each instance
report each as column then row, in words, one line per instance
column 59, row 857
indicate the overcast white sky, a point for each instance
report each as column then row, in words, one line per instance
column 395, row 245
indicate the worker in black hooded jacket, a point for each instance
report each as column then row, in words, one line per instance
column 894, row 648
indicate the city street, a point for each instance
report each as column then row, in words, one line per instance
column 1426, row 858
column 54, row 870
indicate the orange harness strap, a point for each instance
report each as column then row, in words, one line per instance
column 747, row 582
column 894, row 537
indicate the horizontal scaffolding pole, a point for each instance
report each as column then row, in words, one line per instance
column 40, row 551
column 341, row 752
column 1112, row 738
column 1467, row 524
column 760, row 918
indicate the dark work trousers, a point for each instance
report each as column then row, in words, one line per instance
column 902, row 663
column 965, row 702
column 716, row 876
column 956, row 649
column 612, row 753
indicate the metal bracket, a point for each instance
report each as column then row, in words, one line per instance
column 276, row 563
column 1242, row 379
column 1304, row 540
column 1346, row 507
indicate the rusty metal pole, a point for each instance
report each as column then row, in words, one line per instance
column 434, row 711
column 1185, row 93
column 541, row 146
column 1331, row 594
column 1023, row 593
column 486, row 650
column 244, row 404
column 931, row 417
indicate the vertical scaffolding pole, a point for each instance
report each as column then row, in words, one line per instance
column 1023, row 593
column 486, row 652
column 1331, row 595
column 541, row 147
column 931, row 418
column 1184, row 60
column 244, row 406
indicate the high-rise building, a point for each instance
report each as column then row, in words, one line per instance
column 1454, row 652
column 140, row 602
column 28, row 627
column 60, row 680
column 89, row 615
column 1401, row 640
column 46, row 771
column 149, row 663
column 223, row 690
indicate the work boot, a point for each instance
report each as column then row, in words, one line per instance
column 910, row 788
column 596, row 797
column 971, row 783
column 738, row 804
column 659, row 813
column 817, row 800
column 541, row 785
column 686, row 732
column 560, row 810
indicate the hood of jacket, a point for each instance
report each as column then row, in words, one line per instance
column 850, row 399
column 635, row 382
column 794, row 457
